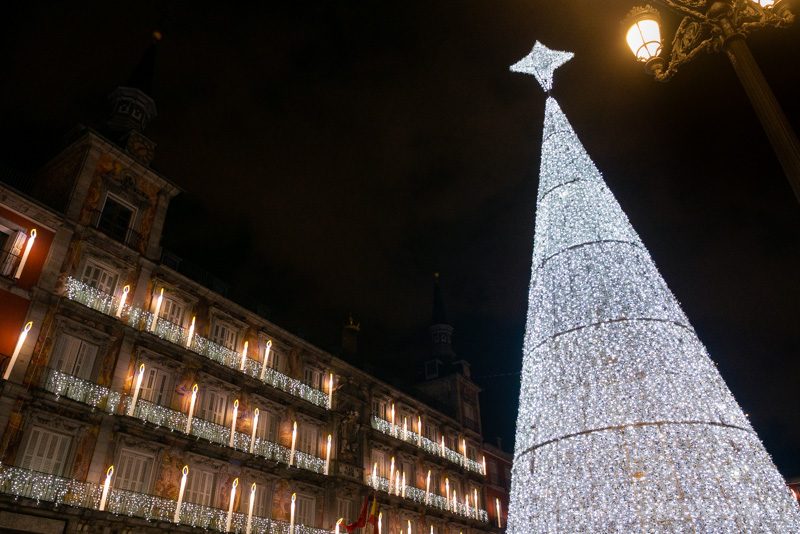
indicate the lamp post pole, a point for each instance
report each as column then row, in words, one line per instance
column 723, row 26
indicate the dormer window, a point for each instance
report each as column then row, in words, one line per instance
column 116, row 219
column 432, row 369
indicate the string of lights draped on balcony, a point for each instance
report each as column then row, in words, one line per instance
column 143, row 320
column 625, row 424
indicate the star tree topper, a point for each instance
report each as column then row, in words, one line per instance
column 542, row 63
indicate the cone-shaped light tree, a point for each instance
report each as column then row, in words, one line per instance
column 625, row 424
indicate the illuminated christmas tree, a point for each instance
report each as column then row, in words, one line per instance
column 625, row 424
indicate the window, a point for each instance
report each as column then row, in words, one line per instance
column 262, row 507
column 450, row 442
column 277, row 360
column 11, row 244
column 379, row 408
column 491, row 467
column 223, row 334
column 213, row 406
column 46, row 451
column 431, row 431
column 100, row 278
column 267, row 426
column 115, row 219
column 469, row 412
column 306, row 510
column 172, row 310
column 74, row 356
column 308, row 439
column 134, row 471
column 313, row 377
column 431, row 369
column 407, row 469
column 344, row 508
column 157, row 386
column 379, row 457
column 199, row 486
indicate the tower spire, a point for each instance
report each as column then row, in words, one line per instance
column 624, row 423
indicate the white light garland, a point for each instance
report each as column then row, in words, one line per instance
column 144, row 320
column 42, row 487
column 428, row 499
column 624, row 423
column 425, row 444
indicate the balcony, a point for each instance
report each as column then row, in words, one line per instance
column 117, row 229
column 426, row 444
column 143, row 320
column 83, row 391
column 20, row 482
column 429, row 499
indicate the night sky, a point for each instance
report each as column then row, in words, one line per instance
column 335, row 154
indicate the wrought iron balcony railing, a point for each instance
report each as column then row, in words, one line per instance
column 143, row 320
column 429, row 446
column 64, row 491
column 77, row 389
column 428, row 499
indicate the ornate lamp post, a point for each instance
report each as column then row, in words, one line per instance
column 714, row 26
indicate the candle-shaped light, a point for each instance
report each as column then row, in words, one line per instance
column 121, row 306
column 177, row 517
column 253, row 430
column 419, row 431
column 466, row 504
column 484, row 465
column 380, row 522
column 499, row 513
column 392, row 417
column 397, row 483
column 338, row 522
column 106, row 487
column 391, row 474
column 442, row 447
column 405, row 428
column 244, row 355
column 447, row 491
column 464, row 450
column 24, row 260
column 233, row 422
column 330, row 391
column 475, row 500
column 266, row 359
column 191, row 409
column 328, row 456
column 291, row 514
column 431, row 529
column 159, row 300
column 191, row 332
column 455, row 500
column 409, row 526
column 230, row 505
column 428, row 487
column 136, row 387
column 248, row 527
column 294, row 442
column 403, row 490
column 20, row 341
column 375, row 475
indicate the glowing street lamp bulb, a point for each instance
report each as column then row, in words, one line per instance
column 20, row 341
column 24, row 260
column 121, row 306
column 644, row 33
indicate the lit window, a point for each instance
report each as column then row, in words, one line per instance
column 99, row 277
column 46, row 451
column 74, row 356
column 133, row 471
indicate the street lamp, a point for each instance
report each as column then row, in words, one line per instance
column 714, row 26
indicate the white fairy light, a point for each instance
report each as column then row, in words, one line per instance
column 624, row 423
column 24, row 260
column 17, row 348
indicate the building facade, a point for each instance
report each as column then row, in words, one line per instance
column 135, row 399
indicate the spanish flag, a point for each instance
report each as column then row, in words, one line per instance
column 373, row 514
